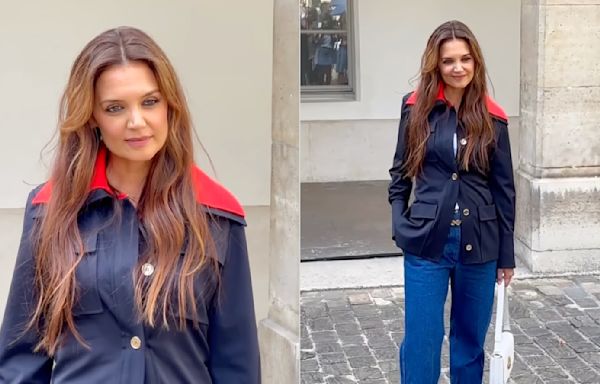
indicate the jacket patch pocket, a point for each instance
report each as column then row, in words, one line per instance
column 86, row 275
column 489, row 233
column 487, row 212
column 423, row 211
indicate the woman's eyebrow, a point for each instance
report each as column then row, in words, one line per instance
column 117, row 100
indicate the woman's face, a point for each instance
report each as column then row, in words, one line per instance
column 456, row 64
column 130, row 112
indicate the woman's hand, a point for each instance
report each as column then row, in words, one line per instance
column 505, row 274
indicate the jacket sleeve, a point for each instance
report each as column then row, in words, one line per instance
column 502, row 187
column 18, row 362
column 400, row 186
column 232, row 335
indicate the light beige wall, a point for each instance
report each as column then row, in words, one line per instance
column 352, row 140
column 221, row 50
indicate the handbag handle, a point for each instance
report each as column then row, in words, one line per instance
column 502, row 314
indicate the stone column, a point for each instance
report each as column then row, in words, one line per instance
column 279, row 332
column 558, row 183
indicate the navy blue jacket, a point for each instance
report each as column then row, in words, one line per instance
column 222, row 350
column 486, row 200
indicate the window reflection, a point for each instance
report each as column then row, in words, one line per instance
column 323, row 43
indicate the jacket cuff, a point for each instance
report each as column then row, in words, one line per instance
column 507, row 252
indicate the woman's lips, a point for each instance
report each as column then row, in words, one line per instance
column 138, row 142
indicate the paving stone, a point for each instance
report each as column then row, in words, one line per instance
column 563, row 352
column 343, row 317
column 340, row 380
column 591, row 287
column 311, row 378
column 590, row 331
column 529, row 350
column 550, row 290
column 310, row 365
column 389, row 365
column 324, row 336
column 321, row 324
column 547, row 315
column 331, row 358
column 368, row 373
column 371, row 323
column 338, row 306
column 539, row 361
column 348, row 329
column 552, row 373
column 385, row 353
column 527, row 379
column 393, row 377
column 328, row 347
column 591, row 358
column 352, row 339
column 361, row 298
column 337, row 369
column 306, row 343
column 383, row 293
column 362, row 361
column 585, row 376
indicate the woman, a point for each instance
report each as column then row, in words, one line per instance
column 453, row 141
column 132, row 266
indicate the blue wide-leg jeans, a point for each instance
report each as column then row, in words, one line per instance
column 426, row 288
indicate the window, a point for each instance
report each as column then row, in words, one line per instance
column 326, row 50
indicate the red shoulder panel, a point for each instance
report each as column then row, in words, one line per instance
column 43, row 195
column 440, row 96
column 494, row 109
column 213, row 194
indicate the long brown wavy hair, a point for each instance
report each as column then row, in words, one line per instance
column 168, row 207
column 473, row 112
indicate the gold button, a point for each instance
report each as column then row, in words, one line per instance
column 136, row 343
column 147, row 269
column 466, row 212
column 463, row 141
column 455, row 176
column 468, row 247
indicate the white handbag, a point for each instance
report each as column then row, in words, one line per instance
column 503, row 357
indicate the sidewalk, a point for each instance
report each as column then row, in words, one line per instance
column 352, row 335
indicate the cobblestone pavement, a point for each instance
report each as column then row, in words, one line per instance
column 352, row 336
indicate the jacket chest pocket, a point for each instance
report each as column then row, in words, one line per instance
column 88, row 298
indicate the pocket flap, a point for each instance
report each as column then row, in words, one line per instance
column 90, row 241
column 423, row 211
column 487, row 212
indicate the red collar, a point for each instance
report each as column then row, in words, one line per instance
column 493, row 108
column 208, row 192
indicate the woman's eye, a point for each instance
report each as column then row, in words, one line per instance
column 113, row 108
column 466, row 59
column 150, row 102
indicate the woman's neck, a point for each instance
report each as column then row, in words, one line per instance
column 454, row 96
column 127, row 177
